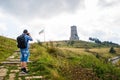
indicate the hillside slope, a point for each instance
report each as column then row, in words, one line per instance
column 67, row 63
column 81, row 44
column 7, row 47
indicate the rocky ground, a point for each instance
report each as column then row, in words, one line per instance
column 10, row 69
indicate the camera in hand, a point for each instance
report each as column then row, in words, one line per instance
column 28, row 34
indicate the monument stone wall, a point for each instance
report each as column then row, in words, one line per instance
column 74, row 35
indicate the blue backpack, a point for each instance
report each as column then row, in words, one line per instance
column 21, row 42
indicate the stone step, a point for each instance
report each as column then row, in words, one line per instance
column 1, row 78
column 11, row 57
column 12, row 76
column 17, row 51
column 33, row 77
column 13, row 60
column 14, row 71
column 2, row 67
column 22, row 74
column 3, row 72
column 10, row 62
column 19, row 78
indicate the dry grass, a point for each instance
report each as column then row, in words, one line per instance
column 80, row 51
column 117, row 50
column 104, row 52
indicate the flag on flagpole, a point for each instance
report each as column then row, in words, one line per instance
column 41, row 31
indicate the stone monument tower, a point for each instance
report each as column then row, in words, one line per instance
column 74, row 35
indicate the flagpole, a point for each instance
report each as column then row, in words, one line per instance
column 44, row 34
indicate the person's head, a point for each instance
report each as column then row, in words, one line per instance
column 25, row 31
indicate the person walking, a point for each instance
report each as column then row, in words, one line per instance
column 24, row 56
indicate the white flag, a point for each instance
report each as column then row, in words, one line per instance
column 41, row 31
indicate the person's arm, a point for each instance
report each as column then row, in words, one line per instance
column 29, row 37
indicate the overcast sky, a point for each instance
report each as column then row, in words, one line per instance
column 93, row 18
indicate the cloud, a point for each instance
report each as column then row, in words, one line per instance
column 39, row 8
column 3, row 27
column 108, row 3
column 93, row 18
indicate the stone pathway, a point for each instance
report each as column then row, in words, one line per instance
column 10, row 69
column 3, row 73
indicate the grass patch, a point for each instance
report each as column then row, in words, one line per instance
column 58, row 63
column 7, row 47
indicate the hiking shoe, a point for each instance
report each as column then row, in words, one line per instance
column 21, row 69
column 22, row 72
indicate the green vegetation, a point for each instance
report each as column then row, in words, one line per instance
column 67, row 60
column 112, row 50
column 68, row 63
column 106, row 43
column 82, row 44
column 7, row 47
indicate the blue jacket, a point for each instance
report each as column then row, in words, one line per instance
column 27, row 39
